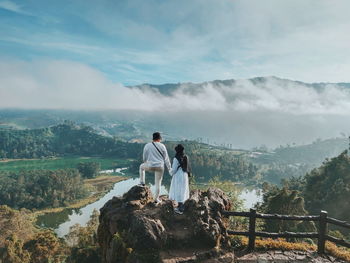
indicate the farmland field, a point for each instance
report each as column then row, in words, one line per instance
column 60, row 163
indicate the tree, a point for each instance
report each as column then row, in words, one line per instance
column 41, row 188
column 83, row 241
column 287, row 202
column 80, row 236
column 45, row 247
column 89, row 169
column 14, row 252
column 328, row 187
column 15, row 222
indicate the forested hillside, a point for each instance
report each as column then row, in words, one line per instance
column 328, row 187
column 22, row 242
column 60, row 140
column 294, row 161
column 208, row 162
column 71, row 139
column 324, row 188
column 313, row 153
column 41, row 188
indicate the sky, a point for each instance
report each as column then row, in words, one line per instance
column 161, row 41
column 82, row 54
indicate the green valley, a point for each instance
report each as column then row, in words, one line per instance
column 106, row 163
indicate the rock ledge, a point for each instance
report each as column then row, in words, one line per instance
column 134, row 230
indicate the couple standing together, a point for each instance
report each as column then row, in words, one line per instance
column 155, row 155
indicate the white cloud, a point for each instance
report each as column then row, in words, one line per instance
column 11, row 6
column 209, row 39
column 198, row 40
column 247, row 113
column 72, row 85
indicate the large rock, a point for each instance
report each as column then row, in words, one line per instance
column 134, row 230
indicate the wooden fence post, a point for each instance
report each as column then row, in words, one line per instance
column 322, row 231
column 252, row 222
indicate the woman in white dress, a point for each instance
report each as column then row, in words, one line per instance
column 179, row 187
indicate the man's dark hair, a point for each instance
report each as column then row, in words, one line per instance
column 157, row 136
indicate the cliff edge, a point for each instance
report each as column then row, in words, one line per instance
column 134, row 230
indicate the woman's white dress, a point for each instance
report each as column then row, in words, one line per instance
column 179, row 188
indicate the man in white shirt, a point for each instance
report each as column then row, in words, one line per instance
column 154, row 157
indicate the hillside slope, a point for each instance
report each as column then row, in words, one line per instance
column 63, row 139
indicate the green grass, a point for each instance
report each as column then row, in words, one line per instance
column 60, row 163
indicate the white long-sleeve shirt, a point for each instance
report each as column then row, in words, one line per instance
column 153, row 158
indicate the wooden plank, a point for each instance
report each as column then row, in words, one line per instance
column 288, row 217
column 322, row 231
column 338, row 222
column 272, row 216
column 338, row 241
column 234, row 213
column 252, row 223
column 238, row 233
column 288, row 234
column 275, row 235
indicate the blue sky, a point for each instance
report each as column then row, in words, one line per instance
column 159, row 41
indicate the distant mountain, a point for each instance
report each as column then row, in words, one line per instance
column 169, row 89
column 244, row 113
column 295, row 161
column 311, row 154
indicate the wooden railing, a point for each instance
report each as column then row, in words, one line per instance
column 322, row 234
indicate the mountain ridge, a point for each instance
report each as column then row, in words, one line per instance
column 166, row 87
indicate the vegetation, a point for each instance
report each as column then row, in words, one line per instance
column 285, row 202
column 21, row 242
column 61, row 140
column 98, row 185
column 13, row 251
column 338, row 252
column 22, row 185
column 230, row 189
column 280, row 244
column 208, row 162
column 328, row 187
column 15, row 221
column 41, row 188
column 69, row 139
column 289, row 161
column 275, row 173
column 107, row 122
column 89, row 169
column 312, row 154
column 324, row 188
column 106, row 163
column 83, row 241
column 43, row 246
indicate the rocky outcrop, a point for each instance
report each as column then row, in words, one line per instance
column 134, row 230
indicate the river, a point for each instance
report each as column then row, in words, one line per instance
column 62, row 221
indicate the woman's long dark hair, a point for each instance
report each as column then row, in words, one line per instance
column 182, row 158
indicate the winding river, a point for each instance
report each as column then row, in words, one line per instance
column 62, row 221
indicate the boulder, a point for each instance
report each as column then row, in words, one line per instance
column 135, row 230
